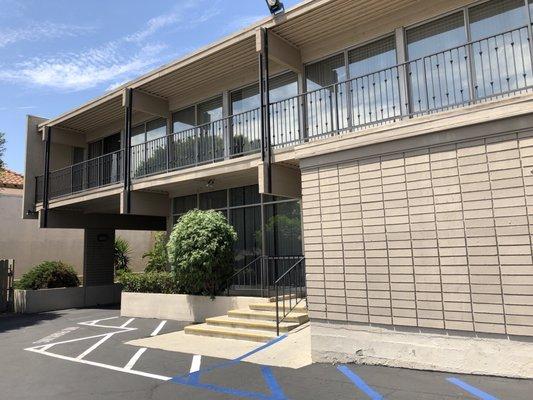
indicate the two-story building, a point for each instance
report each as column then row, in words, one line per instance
column 389, row 142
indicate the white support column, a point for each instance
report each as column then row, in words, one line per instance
column 226, row 112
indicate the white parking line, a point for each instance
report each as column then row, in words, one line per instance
column 94, row 346
column 106, row 366
column 158, row 329
column 135, row 358
column 196, row 363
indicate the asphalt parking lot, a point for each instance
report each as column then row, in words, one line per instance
column 82, row 354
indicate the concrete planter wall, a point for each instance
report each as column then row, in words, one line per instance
column 34, row 301
column 180, row 307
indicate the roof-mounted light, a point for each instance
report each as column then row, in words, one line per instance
column 275, row 6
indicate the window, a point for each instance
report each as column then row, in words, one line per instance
column 501, row 52
column 104, row 162
column 322, row 103
column 198, row 134
column 374, row 87
column 495, row 17
column 148, row 147
column 284, row 109
column 245, row 195
column 245, row 99
column 244, row 211
column 438, row 77
column 246, row 120
column 213, row 200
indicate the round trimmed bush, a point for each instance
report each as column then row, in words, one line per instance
column 49, row 274
column 200, row 252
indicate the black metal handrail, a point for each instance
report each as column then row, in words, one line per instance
column 258, row 276
column 248, row 276
column 293, row 282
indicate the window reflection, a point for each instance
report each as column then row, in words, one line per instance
column 438, row 77
column 501, row 62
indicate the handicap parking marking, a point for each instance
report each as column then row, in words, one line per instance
column 193, row 378
column 118, row 329
column 359, row 383
column 474, row 391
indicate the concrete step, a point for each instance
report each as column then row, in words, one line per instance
column 298, row 317
column 251, row 324
column 230, row 333
column 279, row 298
column 300, row 307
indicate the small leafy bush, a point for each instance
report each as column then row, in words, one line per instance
column 200, row 252
column 121, row 255
column 49, row 274
column 157, row 256
column 149, row 282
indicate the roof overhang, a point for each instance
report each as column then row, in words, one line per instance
column 307, row 24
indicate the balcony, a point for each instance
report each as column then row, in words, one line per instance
column 489, row 68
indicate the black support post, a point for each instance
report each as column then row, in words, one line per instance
column 46, row 178
column 127, row 149
column 265, row 107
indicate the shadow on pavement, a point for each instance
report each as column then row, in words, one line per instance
column 11, row 322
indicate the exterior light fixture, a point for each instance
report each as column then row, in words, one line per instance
column 275, row 6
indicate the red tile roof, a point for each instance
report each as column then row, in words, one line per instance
column 11, row 179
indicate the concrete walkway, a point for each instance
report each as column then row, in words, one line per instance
column 293, row 351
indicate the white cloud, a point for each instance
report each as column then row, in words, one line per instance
column 113, row 63
column 84, row 70
column 39, row 31
column 184, row 16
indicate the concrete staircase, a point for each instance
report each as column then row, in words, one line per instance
column 257, row 323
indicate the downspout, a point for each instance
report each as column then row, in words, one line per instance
column 46, row 178
column 127, row 149
column 265, row 107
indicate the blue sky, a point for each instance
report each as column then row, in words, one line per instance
column 57, row 54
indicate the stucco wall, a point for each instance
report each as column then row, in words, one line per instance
column 23, row 241
column 434, row 236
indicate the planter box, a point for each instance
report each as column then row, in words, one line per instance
column 34, row 301
column 181, row 307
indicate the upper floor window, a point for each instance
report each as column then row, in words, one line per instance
column 495, row 17
column 435, row 36
column 372, row 57
column 149, row 131
column 245, row 99
column 199, row 114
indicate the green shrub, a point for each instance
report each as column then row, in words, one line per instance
column 157, row 256
column 200, row 252
column 121, row 255
column 150, row 282
column 49, row 274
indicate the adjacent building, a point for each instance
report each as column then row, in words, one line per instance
column 389, row 142
column 23, row 241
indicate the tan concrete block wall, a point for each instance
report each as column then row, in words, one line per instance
column 438, row 237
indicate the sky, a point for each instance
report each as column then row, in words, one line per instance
column 58, row 54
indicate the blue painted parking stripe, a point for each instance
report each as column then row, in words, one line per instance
column 196, row 375
column 273, row 385
column 268, row 344
column 480, row 394
column 360, row 383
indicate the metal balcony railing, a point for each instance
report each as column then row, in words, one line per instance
column 491, row 67
column 230, row 137
column 94, row 173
